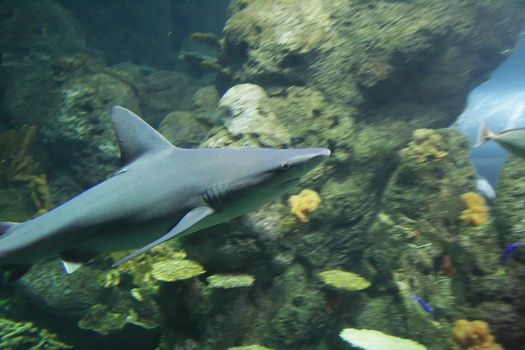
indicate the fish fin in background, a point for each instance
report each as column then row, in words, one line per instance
column 5, row 226
column 12, row 273
column 484, row 134
column 189, row 220
column 71, row 267
column 135, row 136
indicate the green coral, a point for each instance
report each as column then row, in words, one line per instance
column 344, row 280
column 24, row 335
column 176, row 270
column 226, row 281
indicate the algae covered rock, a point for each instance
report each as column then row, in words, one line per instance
column 184, row 129
column 251, row 121
column 508, row 204
column 347, row 57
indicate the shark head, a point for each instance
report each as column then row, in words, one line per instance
column 260, row 175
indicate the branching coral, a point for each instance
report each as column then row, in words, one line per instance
column 344, row 280
column 303, row 204
column 477, row 212
column 18, row 165
column 24, row 335
column 474, row 335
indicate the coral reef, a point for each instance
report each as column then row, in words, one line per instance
column 477, row 212
column 474, row 335
column 304, row 203
column 371, row 80
column 344, row 280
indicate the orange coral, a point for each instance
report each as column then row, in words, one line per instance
column 304, row 203
column 474, row 335
column 477, row 212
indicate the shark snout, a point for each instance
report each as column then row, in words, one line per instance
column 322, row 152
column 311, row 155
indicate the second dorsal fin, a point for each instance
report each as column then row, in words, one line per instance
column 135, row 136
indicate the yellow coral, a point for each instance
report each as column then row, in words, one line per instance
column 477, row 212
column 176, row 270
column 345, row 280
column 304, row 203
column 474, row 335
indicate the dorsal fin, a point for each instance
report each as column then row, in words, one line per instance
column 135, row 136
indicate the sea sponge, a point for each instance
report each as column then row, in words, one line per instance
column 176, row 270
column 225, row 281
column 477, row 212
column 304, row 203
column 345, row 280
column 474, row 335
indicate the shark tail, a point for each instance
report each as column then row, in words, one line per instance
column 484, row 134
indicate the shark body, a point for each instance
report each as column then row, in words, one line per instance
column 160, row 191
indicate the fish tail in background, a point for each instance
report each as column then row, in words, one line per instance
column 484, row 134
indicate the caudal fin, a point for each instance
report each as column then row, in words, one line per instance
column 484, row 134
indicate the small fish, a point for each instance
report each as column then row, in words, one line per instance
column 509, row 251
column 485, row 188
column 424, row 305
column 513, row 140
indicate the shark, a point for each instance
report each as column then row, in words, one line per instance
column 159, row 192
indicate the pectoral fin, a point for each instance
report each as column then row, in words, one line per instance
column 190, row 219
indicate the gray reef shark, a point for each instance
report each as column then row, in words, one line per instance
column 159, row 192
